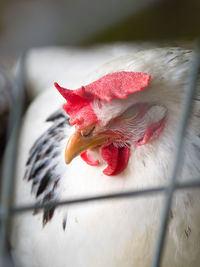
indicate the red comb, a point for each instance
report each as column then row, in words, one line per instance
column 115, row 85
column 78, row 108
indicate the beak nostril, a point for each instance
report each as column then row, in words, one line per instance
column 77, row 144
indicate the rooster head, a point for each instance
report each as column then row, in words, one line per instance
column 108, row 115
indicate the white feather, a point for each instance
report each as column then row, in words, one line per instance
column 116, row 233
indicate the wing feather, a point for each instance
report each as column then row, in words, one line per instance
column 42, row 161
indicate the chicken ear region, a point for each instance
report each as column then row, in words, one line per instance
column 147, row 122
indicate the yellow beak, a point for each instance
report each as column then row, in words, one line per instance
column 77, row 144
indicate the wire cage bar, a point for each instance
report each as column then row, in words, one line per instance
column 7, row 209
column 7, row 188
column 187, row 106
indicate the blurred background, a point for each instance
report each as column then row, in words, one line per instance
column 76, row 22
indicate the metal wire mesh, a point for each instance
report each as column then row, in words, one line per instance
column 7, row 187
column 7, row 209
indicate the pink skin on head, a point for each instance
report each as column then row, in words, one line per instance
column 116, row 85
column 152, row 132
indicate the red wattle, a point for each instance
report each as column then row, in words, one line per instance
column 89, row 159
column 110, row 155
column 116, row 158
column 124, row 153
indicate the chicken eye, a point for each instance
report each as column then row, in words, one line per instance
column 88, row 130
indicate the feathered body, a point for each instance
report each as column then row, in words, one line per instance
column 114, row 232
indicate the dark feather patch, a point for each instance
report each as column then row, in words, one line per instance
column 57, row 115
column 42, row 162
column 64, row 223
column 44, row 183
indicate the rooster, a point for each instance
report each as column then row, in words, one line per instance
column 116, row 133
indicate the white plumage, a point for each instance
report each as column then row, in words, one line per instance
column 115, row 232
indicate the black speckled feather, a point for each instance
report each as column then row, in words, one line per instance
column 42, row 161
